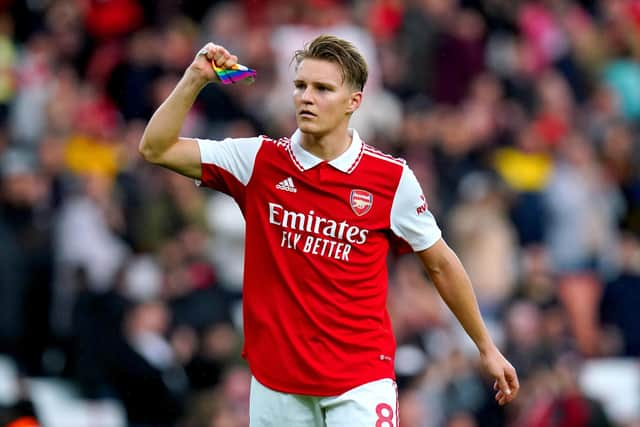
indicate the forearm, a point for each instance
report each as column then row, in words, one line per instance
column 163, row 129
column 454, row 286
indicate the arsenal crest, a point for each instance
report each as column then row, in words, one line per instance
column 361, row 201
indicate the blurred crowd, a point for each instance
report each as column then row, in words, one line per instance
column 520, row 119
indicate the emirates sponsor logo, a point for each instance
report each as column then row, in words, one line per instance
column 361, row 201
column 311, row 233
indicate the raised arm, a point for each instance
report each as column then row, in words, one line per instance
column 160, row 143
column 453, row 285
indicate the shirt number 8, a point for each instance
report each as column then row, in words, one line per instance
column 385, row 415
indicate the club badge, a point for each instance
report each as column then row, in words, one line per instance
column 361, row 201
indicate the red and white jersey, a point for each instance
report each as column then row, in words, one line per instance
column 317, row 238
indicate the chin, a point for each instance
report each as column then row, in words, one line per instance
column 307, row 127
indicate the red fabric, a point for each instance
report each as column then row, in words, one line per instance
column 551, row 129
column 315, row 319
column 111, row 18
column 634, row 12
column 542, row 32
column 201, row 275
column 570, row 410
column 24, row 422
column 385, row 19
column 97, row 117
column 103, row 61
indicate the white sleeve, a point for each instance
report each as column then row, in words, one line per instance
column 410, row 217
column 235, row 155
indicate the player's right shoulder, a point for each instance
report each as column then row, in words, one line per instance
column 216, row 151
column 211, row 149
column 234, row 155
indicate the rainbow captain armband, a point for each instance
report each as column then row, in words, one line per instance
column 235, row 74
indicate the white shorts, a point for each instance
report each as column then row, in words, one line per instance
column 374, row 404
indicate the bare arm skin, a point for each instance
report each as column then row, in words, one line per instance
column 161, row 143
column 453, row 285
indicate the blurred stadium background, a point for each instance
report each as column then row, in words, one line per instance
column 120, row 283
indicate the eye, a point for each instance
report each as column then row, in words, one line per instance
column 299, row 85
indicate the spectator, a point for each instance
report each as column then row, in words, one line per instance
column 26, row 268
column 620, row 298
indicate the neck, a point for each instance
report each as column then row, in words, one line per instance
column 326, row 147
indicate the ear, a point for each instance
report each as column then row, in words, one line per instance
column 354, row 102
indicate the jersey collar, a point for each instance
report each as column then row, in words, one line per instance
column 346, row 162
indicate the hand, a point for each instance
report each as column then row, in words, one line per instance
column 506, row 382
column 201, row 68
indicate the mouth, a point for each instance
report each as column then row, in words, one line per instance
column 306, row 114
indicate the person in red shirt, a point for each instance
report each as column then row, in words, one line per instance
column 322, row 210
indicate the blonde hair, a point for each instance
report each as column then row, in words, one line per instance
column 353, row 66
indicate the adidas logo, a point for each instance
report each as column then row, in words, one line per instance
column 287, row 185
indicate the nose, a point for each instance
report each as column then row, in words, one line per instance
column 306, row 96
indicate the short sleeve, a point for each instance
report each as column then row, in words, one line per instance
column 230, row 158
column 411, row 219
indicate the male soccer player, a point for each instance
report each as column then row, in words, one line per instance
column 322, row 210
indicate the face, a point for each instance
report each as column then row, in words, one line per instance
column 323, row 101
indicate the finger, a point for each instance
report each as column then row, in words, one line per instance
column 495, row 385
column 206, row 51
column 513, row 380
column 503, row 385
column 231, row 61
column 514, row 384
column 220, row 56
